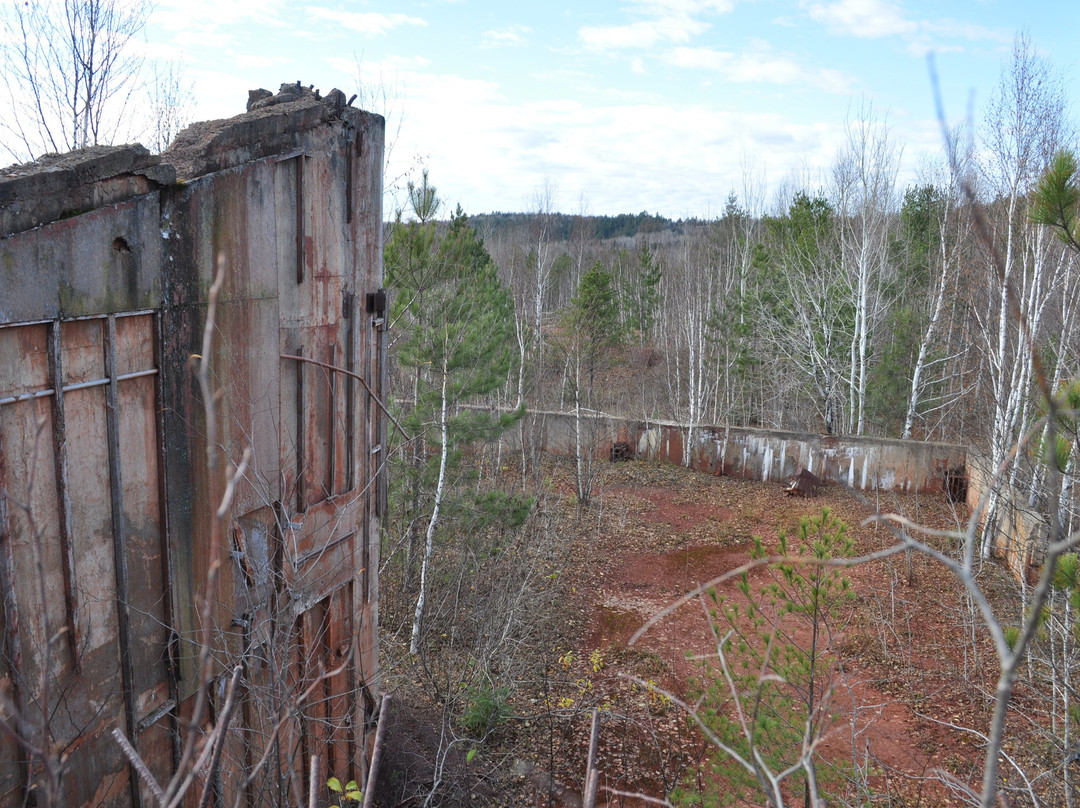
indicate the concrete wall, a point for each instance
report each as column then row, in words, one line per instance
column 106, row 257
column 767, row 455
column 760, row 454
column 1022, row 531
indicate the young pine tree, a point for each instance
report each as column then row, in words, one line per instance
column 457, row 338
column 769, row 702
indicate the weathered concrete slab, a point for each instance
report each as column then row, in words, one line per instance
column 57, row 186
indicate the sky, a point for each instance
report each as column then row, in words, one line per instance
column 606, row 107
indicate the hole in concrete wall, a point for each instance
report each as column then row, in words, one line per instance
column 120, row 245
column 956, row 484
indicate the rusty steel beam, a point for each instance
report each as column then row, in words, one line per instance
column 119, row 530
column 63, row 495
column 349, row 182
column 299, row 357
column 331, row 425
column 300, row 257
column 382, row 483
column 301, row 448
column 168, row 575
column 348, row 305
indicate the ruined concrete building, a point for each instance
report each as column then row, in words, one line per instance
column 106, row 500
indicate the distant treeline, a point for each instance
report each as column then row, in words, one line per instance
column 564, row 226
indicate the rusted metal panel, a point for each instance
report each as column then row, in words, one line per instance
column 340, row 757
column 14, row 775
column 300, row 433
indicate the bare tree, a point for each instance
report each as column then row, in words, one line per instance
column 1025, row 124
column 171, row 100
column 69, row 72
column 865, row 177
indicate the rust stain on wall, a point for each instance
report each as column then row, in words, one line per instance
column 102, row 451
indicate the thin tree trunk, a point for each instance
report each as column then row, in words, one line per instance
column 418, row 615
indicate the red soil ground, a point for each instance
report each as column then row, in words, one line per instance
column 905, row 669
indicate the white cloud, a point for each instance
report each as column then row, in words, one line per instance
column 371, row 23
column 641, row 35
column 867, row 19
column 760, row 66
column 876, row 19
column 661, row 8
column 255, row 60
column 679, row 159
column 388, row 68
column 499, row 37
column 667, row 21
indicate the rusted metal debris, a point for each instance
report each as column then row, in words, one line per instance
column 804, row 484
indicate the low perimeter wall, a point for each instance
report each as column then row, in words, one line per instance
column 757, row 454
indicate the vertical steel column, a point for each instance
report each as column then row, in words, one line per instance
column 301, row 448
column 331, row 426
column 300, row 257
column 63, row 497
column 349, row 168
column 347, row 306
column 172, row 663
column 119, row 529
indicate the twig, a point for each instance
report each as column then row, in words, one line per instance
column 360, row 379
column 592, row 777
column 376, row 753
column 313, row 783
column 219, row 733
column 637, row 795
column 138, row 765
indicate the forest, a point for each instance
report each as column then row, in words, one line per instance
column 941, row 310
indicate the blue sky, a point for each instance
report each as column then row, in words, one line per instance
column 657, row 105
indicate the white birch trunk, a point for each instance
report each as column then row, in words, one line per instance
column 440, row 487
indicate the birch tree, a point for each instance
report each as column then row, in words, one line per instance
column 69, row 70
column 1025, row 267
column 946, row 235
column 804, row 303
column 865, row 178
column 695, row 293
